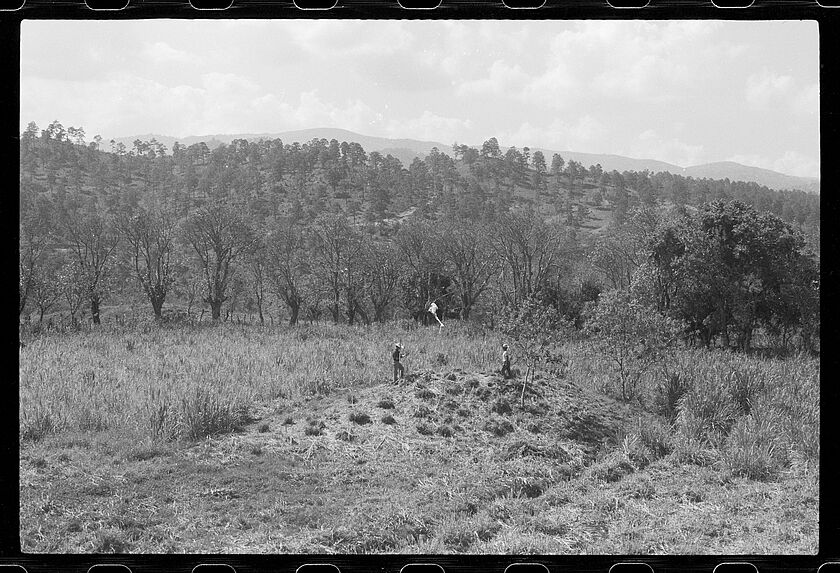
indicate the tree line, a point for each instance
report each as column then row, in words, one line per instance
column 312, row 229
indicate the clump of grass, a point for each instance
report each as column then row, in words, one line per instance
column 422, row 411
column 263, row 428
column 425, row 429
column 359, row 418
column 346, row 436
column 425, row 394
column 444, row 431
column 256, row 449
column 498, row 427
column 36, row 425
column 288, row 421
column 315, row 428
column 111, row 542
column 441, row 359
column 612, row 467
column 751, row 447
column 205, row 413
column 454, row 389
column 386, row 404
column 144, row 452
column 501, row 406
column 388, row 419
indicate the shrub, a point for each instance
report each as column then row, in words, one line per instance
column 633, row 336
column 205, row 413
column 37, row 425
column 751, row 447
column 668, row 394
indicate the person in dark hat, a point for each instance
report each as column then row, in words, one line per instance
column 397, row 356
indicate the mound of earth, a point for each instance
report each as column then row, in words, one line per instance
column 556, row 419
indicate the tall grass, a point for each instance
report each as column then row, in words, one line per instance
column 756, row 415
column 190, row 382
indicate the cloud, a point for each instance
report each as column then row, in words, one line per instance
column 429, row 126
column 652, row 145
column 768, row 90
column 583, row 134
column 502, row 79
column 222, row 103
column 163, row 53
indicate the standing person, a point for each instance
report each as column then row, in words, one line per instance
column 506, row 362
column 398, row 367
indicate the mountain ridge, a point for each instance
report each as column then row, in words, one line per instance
column 405, row 149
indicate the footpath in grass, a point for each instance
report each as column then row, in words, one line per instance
column 441, row 462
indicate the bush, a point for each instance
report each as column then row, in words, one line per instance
column 205, row 413
column 751, row 447
column 633, row 337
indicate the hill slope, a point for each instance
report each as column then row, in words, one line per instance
column 407, row 149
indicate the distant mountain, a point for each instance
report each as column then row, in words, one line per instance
column 407, row 149
column 737, row 172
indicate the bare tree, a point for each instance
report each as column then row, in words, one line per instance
column 381, row 268
column 220, row 236
column 336, row 254
column 288, row 265
column 424, row 279
column 257, row 265
column 473, row 262
column 150, row 237
column 46, row 290
column 33, row 244
column 528, row 248
column 92, row 241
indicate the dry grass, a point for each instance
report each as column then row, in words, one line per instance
column 167, row 383
column 296, row 440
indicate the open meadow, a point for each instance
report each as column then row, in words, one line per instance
column 248, row 438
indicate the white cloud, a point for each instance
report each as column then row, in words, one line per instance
column 429, row 126
column 583, row 134
column 502, row 79
column 162, row 53
column 652, row 145
column 768, row 91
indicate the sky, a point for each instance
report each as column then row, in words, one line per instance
column 685, row 92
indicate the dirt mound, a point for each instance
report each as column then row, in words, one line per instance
column 557, row 419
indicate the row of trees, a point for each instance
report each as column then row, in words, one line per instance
column 723, row 272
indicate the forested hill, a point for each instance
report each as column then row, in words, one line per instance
column 407, row 149
column 272, row 178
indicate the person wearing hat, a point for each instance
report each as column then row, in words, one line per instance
column 506, row 362
column 398, row 367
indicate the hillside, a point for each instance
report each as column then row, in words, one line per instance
column 306, row 179
column 407, row 149
column 737, row 172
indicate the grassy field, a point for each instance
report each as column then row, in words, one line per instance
column 255, row 439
